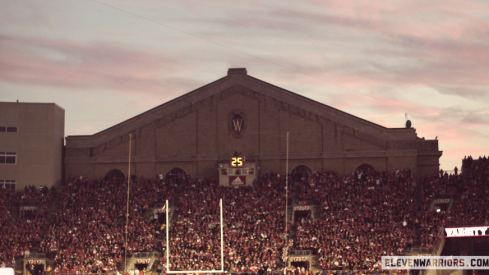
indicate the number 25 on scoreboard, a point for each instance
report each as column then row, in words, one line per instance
column 237, row 161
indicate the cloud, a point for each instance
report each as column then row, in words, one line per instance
column 68, row 64
column 382, row 45
column 476, row 119
column 474, row 93
column 353, row 45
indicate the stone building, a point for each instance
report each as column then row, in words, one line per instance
column 198, row 133
column 31, row 144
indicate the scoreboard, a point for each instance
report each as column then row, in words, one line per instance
column 237, row 162
column 237, row 172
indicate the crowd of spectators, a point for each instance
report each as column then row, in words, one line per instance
column 468, row 194
column 9, row 249
column 361, row 217
column 256, row 224
column 253, row 226
column 195, row 236
column 89, row 227
column 21, row 231
column 474, row 199
column 429, row 222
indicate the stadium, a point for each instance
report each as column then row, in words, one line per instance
column 238, row 176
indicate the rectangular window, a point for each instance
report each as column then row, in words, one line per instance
column 8, row 158
column 9, row 129
column 7, row 184
column 10, row 184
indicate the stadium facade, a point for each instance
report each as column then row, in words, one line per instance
column 198, row 133
column 31, row 144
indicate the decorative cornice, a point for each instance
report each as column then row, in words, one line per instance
column 193, row 158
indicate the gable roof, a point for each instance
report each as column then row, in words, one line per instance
column 239, row 77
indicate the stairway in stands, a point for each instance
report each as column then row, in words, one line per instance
column 314, row 258
column 418, row 202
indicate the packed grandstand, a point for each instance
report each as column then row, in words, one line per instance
column 340, row 222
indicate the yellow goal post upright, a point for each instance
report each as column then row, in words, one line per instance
column 168, row 271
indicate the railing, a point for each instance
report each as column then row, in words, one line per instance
column 146, row 254
column 27, row 204
column 435, row 251
column 35, row 255
column 300, row 252
column 441, row 241
column 309, row 202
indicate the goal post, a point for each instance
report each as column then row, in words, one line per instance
column 168, row 271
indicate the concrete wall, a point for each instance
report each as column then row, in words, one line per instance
column 38, row 143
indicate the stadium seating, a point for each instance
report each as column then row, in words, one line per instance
column 353, row 221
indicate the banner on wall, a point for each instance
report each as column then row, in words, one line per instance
column 237, row 180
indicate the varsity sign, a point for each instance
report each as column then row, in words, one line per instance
column 237, row 123
column 440, row 201
column 143, row 261
column 36, row 262
column 298, row 259
column 473, row 231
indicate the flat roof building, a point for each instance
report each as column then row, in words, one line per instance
column 31, row 144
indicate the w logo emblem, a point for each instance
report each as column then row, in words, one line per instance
column 237, row 124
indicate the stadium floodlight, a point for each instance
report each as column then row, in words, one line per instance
column 168, row 271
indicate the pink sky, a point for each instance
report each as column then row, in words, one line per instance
column 105, row 61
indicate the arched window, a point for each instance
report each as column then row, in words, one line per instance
column 364, row 168
column 300, row 172
column 115, row 174
column 176, row 174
